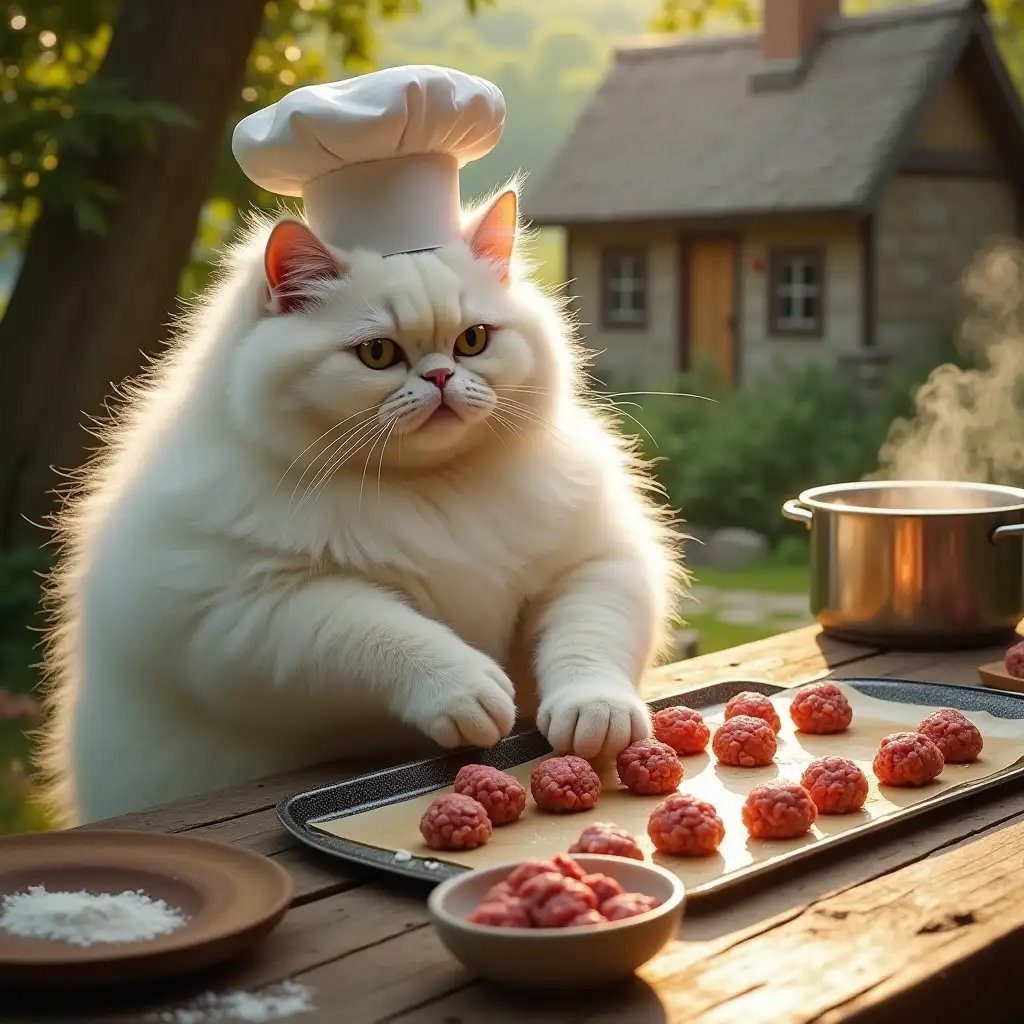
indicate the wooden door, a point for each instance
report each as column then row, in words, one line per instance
column 711, row 306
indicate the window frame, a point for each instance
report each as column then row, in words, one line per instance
column 777, row 259
column 610, row 257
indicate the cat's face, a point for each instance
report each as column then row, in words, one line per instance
column 405, row 361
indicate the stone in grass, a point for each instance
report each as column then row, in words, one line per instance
column 734, row 547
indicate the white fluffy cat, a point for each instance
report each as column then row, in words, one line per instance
column 330, row 520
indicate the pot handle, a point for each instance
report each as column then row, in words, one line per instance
column 800, row 513
column 1009, row 530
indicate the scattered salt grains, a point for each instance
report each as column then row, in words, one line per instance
column 85, row 918
column 402, row 856
column 275, row 1003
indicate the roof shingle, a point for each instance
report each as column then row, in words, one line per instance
column 675, row 130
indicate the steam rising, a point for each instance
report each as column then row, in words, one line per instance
column 969, row 424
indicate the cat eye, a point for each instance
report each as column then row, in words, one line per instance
column 472, row 341
column 379, row 354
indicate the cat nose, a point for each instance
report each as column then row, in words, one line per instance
column 440, row 376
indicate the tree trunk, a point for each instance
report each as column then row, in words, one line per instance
column 84, row 308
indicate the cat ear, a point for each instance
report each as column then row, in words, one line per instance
column 492, row 237
column 294, row 260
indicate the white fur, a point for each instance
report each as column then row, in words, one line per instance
column 232, row 604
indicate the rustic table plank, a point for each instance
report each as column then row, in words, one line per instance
column 370, row 954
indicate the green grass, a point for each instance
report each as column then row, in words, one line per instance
column 766, row 577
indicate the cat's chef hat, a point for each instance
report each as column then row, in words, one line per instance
column 375, row 158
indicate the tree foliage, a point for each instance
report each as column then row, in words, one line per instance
column 54, row 118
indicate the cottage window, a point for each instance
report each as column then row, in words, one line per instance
column 797, row 283
column 624, row 288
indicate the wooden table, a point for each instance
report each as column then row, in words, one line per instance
column 926, row 924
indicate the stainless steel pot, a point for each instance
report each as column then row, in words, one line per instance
column 915, row 564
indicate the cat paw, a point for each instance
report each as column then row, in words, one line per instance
column 593, row 719
column 471, row 705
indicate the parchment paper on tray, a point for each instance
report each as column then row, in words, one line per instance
column 396, row 826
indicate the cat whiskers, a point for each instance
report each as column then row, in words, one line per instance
column 327, row 433
column 524, row 414
column 328, row 454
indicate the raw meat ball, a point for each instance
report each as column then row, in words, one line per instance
column 629, row 904
column 649, row 767
column 604, row 887
column 506, row 913
column 821, row 708
column 958, row 738
column 565, row 784
column 778, row 810
column 522, row 873
column 502, row 796
column 455, row 822
column 1014, row 660
column 836, row 784
column 611, row 840
column 683, row 729
column 744, row 741
column 499, row 892
column 587, row 918
column 552, row 900
column 685, row 826
column 756, row 705
column 567, row 866
column 907, row 759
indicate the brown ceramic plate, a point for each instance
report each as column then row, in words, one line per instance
column 233, row 898
column 995, row 676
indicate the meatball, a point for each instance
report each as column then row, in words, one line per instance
column 588, row 917
column 649, row 767
column 567, row 866
column 502, row 796
column 683, row 729
column 1014, row 661
column 907, row 759
column 503, row 913
column 629, row 904
column 778, row 810
column 756, row 705
column 958, row 738
column 685, row 826
column 836, row 784
column 744, row 741
column 455, row 822
column 604, row 887
column 821, row 708
column 565, row 784
column 611, row 840
column 552, row 900
column 499, row 892
column 522, row 873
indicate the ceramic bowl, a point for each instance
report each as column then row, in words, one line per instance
column 558, row 958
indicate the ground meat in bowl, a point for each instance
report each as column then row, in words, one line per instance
column 683, row 729
column 907, row 759
column 455, row 822
column 685, row 826
column 629, row 904
column 553, row 900
column 745, row 742
column 649, row 767
column 509, row 912
column 565, row 785
column 756, row 705
column 958, row 738
column 836, row 784
column 778, row 810
column 502, row 796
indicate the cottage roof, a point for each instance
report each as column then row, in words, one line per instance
column 677, row 130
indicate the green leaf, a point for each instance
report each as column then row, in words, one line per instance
column 89, row 217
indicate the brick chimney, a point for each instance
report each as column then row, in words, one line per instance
column 792, row 27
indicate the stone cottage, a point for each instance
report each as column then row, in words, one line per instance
column 812, row 192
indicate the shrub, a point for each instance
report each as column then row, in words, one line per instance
column 734, row 461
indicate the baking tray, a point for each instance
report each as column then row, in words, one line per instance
column 299, row 812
